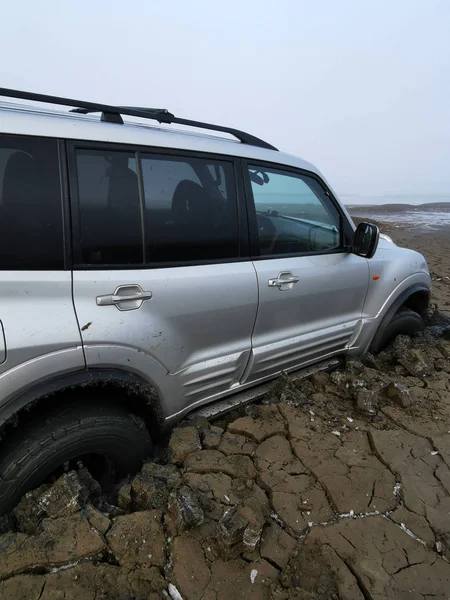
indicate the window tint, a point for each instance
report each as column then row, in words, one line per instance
column 31, row 224
column 109, row 208
column 190, row 209
column 294, row 214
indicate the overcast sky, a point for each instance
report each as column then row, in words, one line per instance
column 359, row 87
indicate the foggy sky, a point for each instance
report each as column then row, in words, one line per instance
column 361, row 88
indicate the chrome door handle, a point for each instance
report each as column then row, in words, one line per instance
column 125, row 297
column 285, row 278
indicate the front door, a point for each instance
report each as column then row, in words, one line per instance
column 159, row 289
column 311, row 289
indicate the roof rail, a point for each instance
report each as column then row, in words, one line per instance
column 113, row 114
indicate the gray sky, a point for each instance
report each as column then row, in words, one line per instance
column 360, row 88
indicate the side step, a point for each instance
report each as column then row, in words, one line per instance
column 222, row 407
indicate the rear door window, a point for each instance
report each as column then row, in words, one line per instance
column 190, row 209
column 109, row 212
column 140, row 208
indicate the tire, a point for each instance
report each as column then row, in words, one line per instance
column 109, row 438
column 405, row 321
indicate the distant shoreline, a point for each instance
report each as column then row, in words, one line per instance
column 390, row 208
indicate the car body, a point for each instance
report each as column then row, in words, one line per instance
column 179, row 267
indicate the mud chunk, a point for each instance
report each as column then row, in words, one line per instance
column 213, row 461
column 190, row 570
column 402, row 395
column 339, row 378
column 211, row 437
column 401, row 344
column 241, row 526
column 98, row 520
column 277, row 546
column 265, row 422
column 124, row 497
column 138, row 540
column 416, row 363
column 366, row 402
column 151, row 487
column 148, row 493
column 57, row 542
column 65, row 497
column 232, row 443
column 184, row 440
column 86, row 581
column 184, row 510
column 320, row 379
column 311, row 575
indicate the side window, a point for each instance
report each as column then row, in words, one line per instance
column 294, row 214
column 109, row 208
column 31, row 220
column 190, row 209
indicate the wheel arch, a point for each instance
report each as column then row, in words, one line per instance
column 116, row 385
column 415, row 297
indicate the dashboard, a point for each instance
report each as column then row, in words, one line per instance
column 280, row 234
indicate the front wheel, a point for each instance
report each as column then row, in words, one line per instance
column 405, row 321
column 108, row 440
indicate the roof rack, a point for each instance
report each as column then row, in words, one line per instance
column 113, row 114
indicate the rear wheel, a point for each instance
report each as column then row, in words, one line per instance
column 108, row 441
column 405, row 321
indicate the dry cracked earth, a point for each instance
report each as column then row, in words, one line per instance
column 335, row 486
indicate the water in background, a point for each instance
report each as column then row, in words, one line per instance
column 424, row 212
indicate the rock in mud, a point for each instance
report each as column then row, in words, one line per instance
column 416, row 363
column 184, row 440
column 65, row 497
column 241, row 527
column 366, row 402
column 183, row 511
column 402, row 395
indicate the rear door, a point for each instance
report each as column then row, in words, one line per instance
column 162, row 287
column 311, row 289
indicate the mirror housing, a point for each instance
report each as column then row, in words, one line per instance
column 365, row 241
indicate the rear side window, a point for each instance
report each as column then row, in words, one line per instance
column 31, row 221
column 190, row 209
column 110, row 225
column 183, row 210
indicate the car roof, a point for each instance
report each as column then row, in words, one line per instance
column 28, row 119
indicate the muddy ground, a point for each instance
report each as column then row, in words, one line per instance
column 337, row 486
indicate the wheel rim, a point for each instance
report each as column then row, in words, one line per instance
column 100, row 467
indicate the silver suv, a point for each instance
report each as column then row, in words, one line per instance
column 147, row 271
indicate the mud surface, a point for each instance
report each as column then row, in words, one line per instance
column 335, row 486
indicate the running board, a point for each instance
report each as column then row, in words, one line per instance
column 221, row 407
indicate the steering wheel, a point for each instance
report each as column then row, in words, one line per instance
column 267, row 232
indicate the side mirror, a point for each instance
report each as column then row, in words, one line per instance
column 366, row 238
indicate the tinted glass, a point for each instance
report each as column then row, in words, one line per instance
column 31, row 224
column 190, row 209
column 109, row 208
column 294, row 214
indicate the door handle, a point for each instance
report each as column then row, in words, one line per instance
column 125, row 297
column 285, row 278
